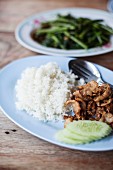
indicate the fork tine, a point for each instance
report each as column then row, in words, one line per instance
column 84, row 68
column 82, row 65
column 78, row 72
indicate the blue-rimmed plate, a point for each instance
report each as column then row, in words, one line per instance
column 23, row 31
column 45, row 131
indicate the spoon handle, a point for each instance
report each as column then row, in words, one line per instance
column 101, row 81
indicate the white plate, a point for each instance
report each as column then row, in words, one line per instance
column 45, row 131
column 23, row 31
column 110, row 5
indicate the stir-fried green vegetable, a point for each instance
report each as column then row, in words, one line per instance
column 67, row 32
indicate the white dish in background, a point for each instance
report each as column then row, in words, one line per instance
column 23, row 31
column 46, row 131
column 110, row 5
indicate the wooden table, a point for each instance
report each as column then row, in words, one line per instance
column 19, row 149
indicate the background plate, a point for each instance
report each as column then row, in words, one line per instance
column 23, row 31
column 45, row 131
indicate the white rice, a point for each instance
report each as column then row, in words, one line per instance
column 42, row 92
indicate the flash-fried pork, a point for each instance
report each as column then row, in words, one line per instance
column 68, row 119
column 92, row 102
column 105, row 94
column 76, row 107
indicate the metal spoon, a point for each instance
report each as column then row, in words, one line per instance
column 87, row 70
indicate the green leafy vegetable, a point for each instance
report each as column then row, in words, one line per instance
column 68, row 32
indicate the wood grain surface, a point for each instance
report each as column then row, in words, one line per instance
column 19, row 149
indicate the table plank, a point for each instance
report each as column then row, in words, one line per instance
column 13, row 11
column 10, row 50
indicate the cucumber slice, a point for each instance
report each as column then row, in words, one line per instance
column 62, row 138
column 68, row 134
column 92, row 129
column 83, row 131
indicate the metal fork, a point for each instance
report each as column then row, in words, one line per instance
column 86, row 70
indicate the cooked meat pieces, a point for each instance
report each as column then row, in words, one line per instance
column 89, row 88
column 87, row 91
column 68, row 119
column 92, row 85
column 78, row 94
column 82, row 103
column 76, row 107
column 109, row 108
column 91, row 105
column 106, row 102
column 109, row 118
column 92, row 102
column 107, row 91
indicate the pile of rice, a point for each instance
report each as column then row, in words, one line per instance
column 42, row 92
